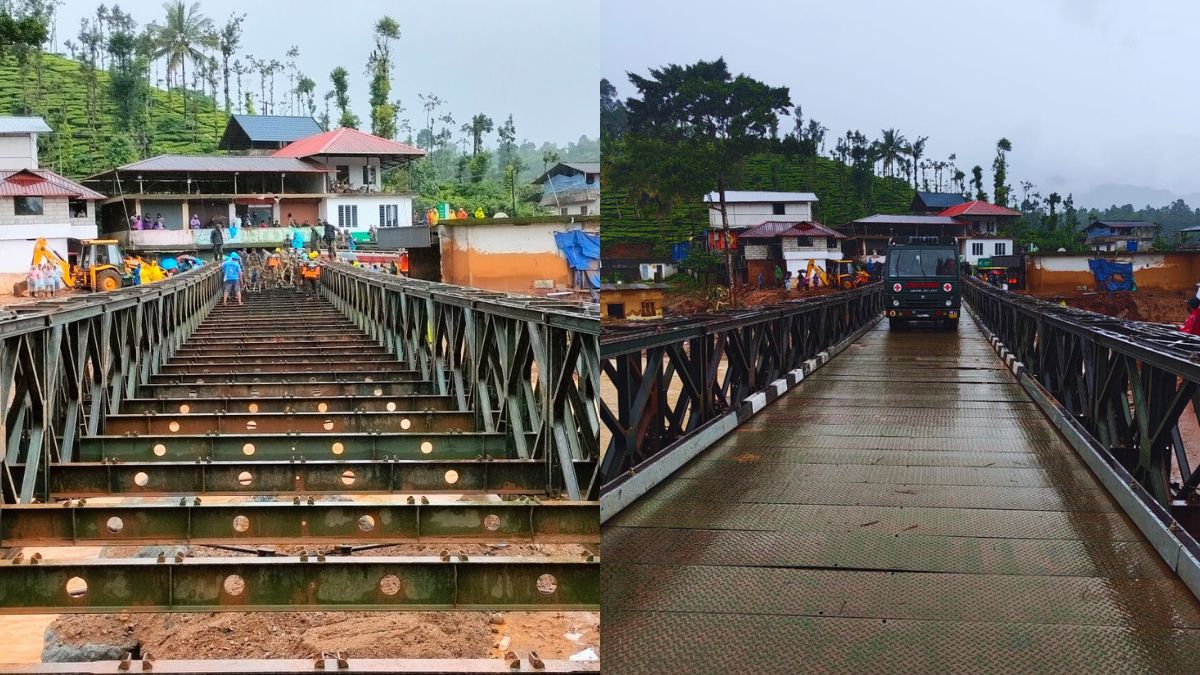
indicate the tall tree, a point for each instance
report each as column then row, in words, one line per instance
column 20, row 27
column 182, row 37
column 1051, row 202
column 228, row 41
column 889, row 149
column 305, row 88
column 429, row 104
column 1000, row 173
column 977, row 182
column 714, row 118
column 916, row 150
column 548, row 157
column 341, row 93
column 479, row 125
column 612, row 111
column 379, row 69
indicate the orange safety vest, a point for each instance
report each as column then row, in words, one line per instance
column 273, row 261
column 404, row 263
column 311, row 272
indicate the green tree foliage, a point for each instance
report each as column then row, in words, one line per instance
column 977, row 182
column 180, row 38
column 379, row 69
column 479, row 125
column 341, row 94
column 22, row 25
column 228, row 41
column 711, row 120
column 612, row 112
column 889, row 150
column 1000, row 173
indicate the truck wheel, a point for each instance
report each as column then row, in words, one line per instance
column 895, row 323
column 107, row 280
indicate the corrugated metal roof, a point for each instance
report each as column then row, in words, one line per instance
column 884, row 218
column 748, row 196
column 774, row 228
column 278, row 128
column 24, row 125
column 26, row 183
column 249, row 164
column 586, row 167
column 346, row 141
column 1122, row 224
column 940, row 200
column 979, row 208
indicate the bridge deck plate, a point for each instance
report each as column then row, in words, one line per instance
column 834, row 532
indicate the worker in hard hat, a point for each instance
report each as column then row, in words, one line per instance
column 310, row 272
column 231, row 271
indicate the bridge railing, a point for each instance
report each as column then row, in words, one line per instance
column 1128, row 383
column 669, row 381
column 65, row 364
column 524, row 365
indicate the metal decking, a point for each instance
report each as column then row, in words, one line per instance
column 906, row 508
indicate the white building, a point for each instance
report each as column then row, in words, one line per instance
column 789, row 245
column 571, row 188
column 748, row 209
column 34, row 202
column 976, row 247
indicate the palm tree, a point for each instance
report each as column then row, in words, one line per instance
column 915, row 150
column 890, row 149
column 182, row 37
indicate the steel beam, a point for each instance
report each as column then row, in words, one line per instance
column 343, row 373
column 276, row 389
column 299, row 447
column 398, row 421
column 334, row 404
column 500, row 476
column 340, row 663
column 291, row 583
column 32, row 525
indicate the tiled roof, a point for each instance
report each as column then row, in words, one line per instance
column 979, row 208
column 346, row 141
column 940, row 200
column 774, row 228
column 42, row 183
column 24, row 125
column 249, row 164
column 754, row 196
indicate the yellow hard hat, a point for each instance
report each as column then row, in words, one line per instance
column 312, row 255
column 277, row 250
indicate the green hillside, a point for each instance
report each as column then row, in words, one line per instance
column 75, row 149
column 840, row 201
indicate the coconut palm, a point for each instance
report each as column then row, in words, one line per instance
column 890, row 149
column 182, row 37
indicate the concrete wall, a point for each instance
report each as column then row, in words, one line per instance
column 505, row 256
column 750, row 214
column 18, row 151
column 368, row 209
column 1049, row 274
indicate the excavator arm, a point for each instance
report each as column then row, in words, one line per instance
column 42, row 253
column 814, row 269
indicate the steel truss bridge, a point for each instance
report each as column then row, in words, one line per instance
column 800, row 489
column 154, row 417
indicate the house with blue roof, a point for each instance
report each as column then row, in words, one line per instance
column 571, row 188
column 933, row 203
column 250, row 134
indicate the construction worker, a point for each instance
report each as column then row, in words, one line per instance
column 310, row 272
column 231, row 270
column 404, row 263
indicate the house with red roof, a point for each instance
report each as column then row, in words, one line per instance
column 788, row 245
column 975, row 225
column 331, row 176
column 35, row 202
column 981, row 237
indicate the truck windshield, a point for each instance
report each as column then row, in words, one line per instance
column 921, row 262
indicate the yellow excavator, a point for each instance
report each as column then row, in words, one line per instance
column 841, row 274
column 101, row 265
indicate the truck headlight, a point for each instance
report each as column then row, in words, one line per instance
column 895, row 303
column 949, row 303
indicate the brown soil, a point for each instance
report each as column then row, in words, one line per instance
column 1142, row 305
column 692, row 302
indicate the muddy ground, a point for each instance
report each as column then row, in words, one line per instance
column 1142, row 305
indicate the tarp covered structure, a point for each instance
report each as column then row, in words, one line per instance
column 582, row 250
column 1112, row 276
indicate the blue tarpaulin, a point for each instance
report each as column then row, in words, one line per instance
column 1112, row 276
column 581, row 248
column 679, row 251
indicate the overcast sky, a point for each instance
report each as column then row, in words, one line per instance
column 536, row 59
column 1088, row 91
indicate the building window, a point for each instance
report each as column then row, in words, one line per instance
column 977, row 248
column 583, row 210
column 27, row 206
column 564, row 211
column 343, row 173
column 389, row 215
column 78, row 208
column 347, row 215
column 777, row 209
column 616, row 310
column 1001, row 248
column 647, row 308
column 804, row 242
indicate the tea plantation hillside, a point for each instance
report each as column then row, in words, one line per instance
column 840, row 201
column 77, row 148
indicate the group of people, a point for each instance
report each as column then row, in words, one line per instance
column 137, row 222
column 45, row 280
column 282, row 268
column 432, row 216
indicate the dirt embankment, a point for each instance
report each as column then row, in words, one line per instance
column 1155, row 306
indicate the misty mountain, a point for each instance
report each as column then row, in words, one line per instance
column 1119, row 194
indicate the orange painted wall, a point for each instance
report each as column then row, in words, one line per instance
column 514, row 272
column 1177, row 272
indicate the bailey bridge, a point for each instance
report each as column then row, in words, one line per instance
column 801, row 490
column 388, row 412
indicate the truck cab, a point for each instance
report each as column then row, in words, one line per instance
column 921, row 282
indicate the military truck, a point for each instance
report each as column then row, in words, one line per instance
column 921, row 282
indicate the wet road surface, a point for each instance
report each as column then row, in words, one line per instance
column 905, row 509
